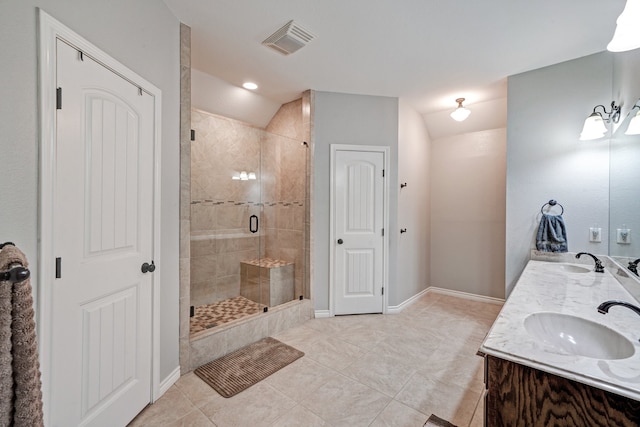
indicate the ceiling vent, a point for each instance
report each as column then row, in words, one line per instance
column 289, row 38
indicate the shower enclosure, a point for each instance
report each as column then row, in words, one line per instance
column 248, row 217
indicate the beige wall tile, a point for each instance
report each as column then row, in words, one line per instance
column 203, row 246
column 208, row 348
column 203, row 217
column 247, row 333
column 284, row 319
column 203, row 269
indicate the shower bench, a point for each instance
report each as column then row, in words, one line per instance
column 267, row 281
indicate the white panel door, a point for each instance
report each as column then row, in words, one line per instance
column 359, row 242
column 103, row 216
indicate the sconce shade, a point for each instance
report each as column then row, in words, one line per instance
column 461, row 113
column 634, row 125
column 594, row 128
column 627, row 34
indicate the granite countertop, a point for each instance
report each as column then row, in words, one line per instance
column 544, row 287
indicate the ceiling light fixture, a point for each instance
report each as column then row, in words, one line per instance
column 244, row 176
column 250, row 85
column 627, row 34
column 461, row 113
column 634, row 124
column 594, row 125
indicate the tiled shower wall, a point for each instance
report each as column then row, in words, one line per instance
column 221, row 207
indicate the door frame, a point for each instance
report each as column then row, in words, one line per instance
column 50, row 30
column 385, row 150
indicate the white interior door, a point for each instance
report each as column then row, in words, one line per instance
column 358, row 200
column 101, row 309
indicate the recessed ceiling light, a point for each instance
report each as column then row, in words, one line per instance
column 250, row 86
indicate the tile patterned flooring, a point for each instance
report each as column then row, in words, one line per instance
column 221, row 312
column 365, row 370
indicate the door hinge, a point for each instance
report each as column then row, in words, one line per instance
column 383, row 173
column 193, row 135
column 383, row 232
column 59, row 98
column 58, row 268
column 382, row 290
column 192, row 311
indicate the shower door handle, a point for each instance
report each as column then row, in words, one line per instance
column 253, row 225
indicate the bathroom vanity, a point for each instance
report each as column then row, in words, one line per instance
column 552, row 359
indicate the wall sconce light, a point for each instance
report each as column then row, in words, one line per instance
column 634, row 124
column 594, row 125
column 461, row 113
column 244, row 176
column 627, row 34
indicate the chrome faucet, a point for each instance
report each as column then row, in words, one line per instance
column 633, row 266
column 599, row 267
column 605, row 306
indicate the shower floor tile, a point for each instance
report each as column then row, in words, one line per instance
column 221, row 312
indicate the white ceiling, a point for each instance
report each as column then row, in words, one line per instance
column 424, row 51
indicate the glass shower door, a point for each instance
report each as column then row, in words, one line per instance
column 225, row 221
column 284, row 184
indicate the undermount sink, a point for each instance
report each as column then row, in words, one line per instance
column 572, row 335
column 570, row 268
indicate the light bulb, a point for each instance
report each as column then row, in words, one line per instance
column 627, row 34
column 461, row 113
column 634, row 125
column 594, row 128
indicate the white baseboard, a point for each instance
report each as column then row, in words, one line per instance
column 395, row 309
column 465, row 295
column 168, row 382
column 322, row 313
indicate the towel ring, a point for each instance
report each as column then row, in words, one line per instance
column 551, row 203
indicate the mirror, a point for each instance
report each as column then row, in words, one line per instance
column 624, row 192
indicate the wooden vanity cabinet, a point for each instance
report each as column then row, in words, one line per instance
column 518, row 395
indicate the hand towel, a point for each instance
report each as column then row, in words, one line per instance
column 25, row 399
column 6, row 358
column 552, row 234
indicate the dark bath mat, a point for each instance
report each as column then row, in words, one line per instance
column 243, row 368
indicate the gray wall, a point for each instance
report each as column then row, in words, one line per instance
column 414, row 206
column 349, row 119
column 144, row 36
column 546, row 160
column 467, row 178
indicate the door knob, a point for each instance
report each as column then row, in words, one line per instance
column 146, row 267
column 340, row 241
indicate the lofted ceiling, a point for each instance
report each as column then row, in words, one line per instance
column 426, row 52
